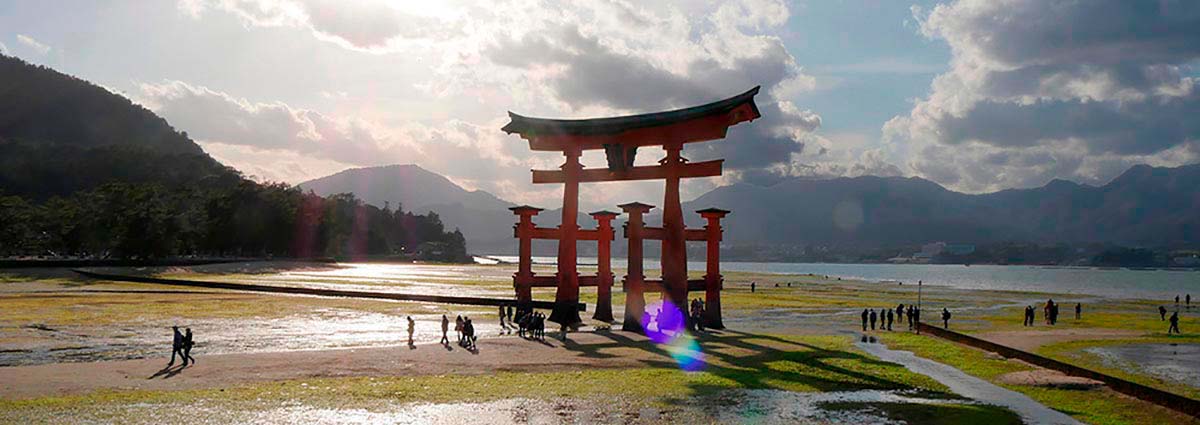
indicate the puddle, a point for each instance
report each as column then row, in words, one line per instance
column 1172, row 362
column 969, row 386
column 733, row 406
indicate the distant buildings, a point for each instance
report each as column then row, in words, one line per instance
column 931, row 251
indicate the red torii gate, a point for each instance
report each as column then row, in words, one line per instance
column 620, row 137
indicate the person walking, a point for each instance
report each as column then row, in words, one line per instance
column 900, row 312
column 469, row 331
column 890, row 317
column 910, row 316
column 187, row 348
column 864, row 319
column 1174, row 323
column 1078, row 310
column 945, row 318
column 412, row 326
column 1188, row 301
column 458, row 328
column 873, row 317
column 1162, row 313
column 753, row 285
column 445, row 329
column 176, row 345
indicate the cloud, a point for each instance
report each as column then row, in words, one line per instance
column 606, row 74
column 218, row 117
column 573, row 58
column 1041, row 90
column 3, row 48
column 279, row 142
column 32, row 43
column 366, row 25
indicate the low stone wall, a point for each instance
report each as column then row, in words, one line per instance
column 1169, row 400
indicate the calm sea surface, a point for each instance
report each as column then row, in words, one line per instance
column 1118, row 283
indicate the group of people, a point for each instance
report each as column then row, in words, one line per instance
column 532, row 324
column 887, row 317
column 1174, row 320
column 696, row 312
column 463, row 328
column 182, row 345
column 1049, row 313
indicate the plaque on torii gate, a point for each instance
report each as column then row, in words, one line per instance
column 620, row 137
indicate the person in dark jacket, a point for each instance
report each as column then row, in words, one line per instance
column 187, row 348
column 176, row 345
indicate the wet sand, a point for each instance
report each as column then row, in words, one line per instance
column 222, row 370
column 267, row 346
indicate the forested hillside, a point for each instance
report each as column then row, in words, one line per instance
column 85, row 172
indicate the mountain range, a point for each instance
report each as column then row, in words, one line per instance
column 1145, row 206
column 482, row 217
column 60, row 135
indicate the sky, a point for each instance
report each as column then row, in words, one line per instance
column 976, row 95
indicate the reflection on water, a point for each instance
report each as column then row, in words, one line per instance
column 28, row 344
column 1118, row 283
column 1172, row 362
column 397, row 278
column 324, row 329
column 734, row 406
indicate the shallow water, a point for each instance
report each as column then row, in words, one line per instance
column 733, row 406
column 1172, row 362
column 1116, row 283
column 969, row 386
column 322, row 329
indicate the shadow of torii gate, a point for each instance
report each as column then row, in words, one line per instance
column 620, row 137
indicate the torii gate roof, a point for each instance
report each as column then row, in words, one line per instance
column 695, row 124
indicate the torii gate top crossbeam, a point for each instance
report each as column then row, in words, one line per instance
column 694, row 124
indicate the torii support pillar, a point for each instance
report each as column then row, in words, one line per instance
column 635, row 298
column 604, row 262
column 566, row 298
column 523, row 279
column 674, row 245
column 712, row 275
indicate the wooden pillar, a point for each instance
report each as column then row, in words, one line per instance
column 674, row 246
column 566, row 299
column 635, row 299
column 712, row 274
column 604, row 265
column 523, row 230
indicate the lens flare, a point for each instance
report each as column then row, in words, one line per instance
column 664, row 324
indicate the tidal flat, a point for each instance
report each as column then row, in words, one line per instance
column 793, row 334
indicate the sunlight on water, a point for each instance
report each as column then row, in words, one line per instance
column 732, row 406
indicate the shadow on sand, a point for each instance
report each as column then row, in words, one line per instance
column 756, row 361
column 168, row 372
